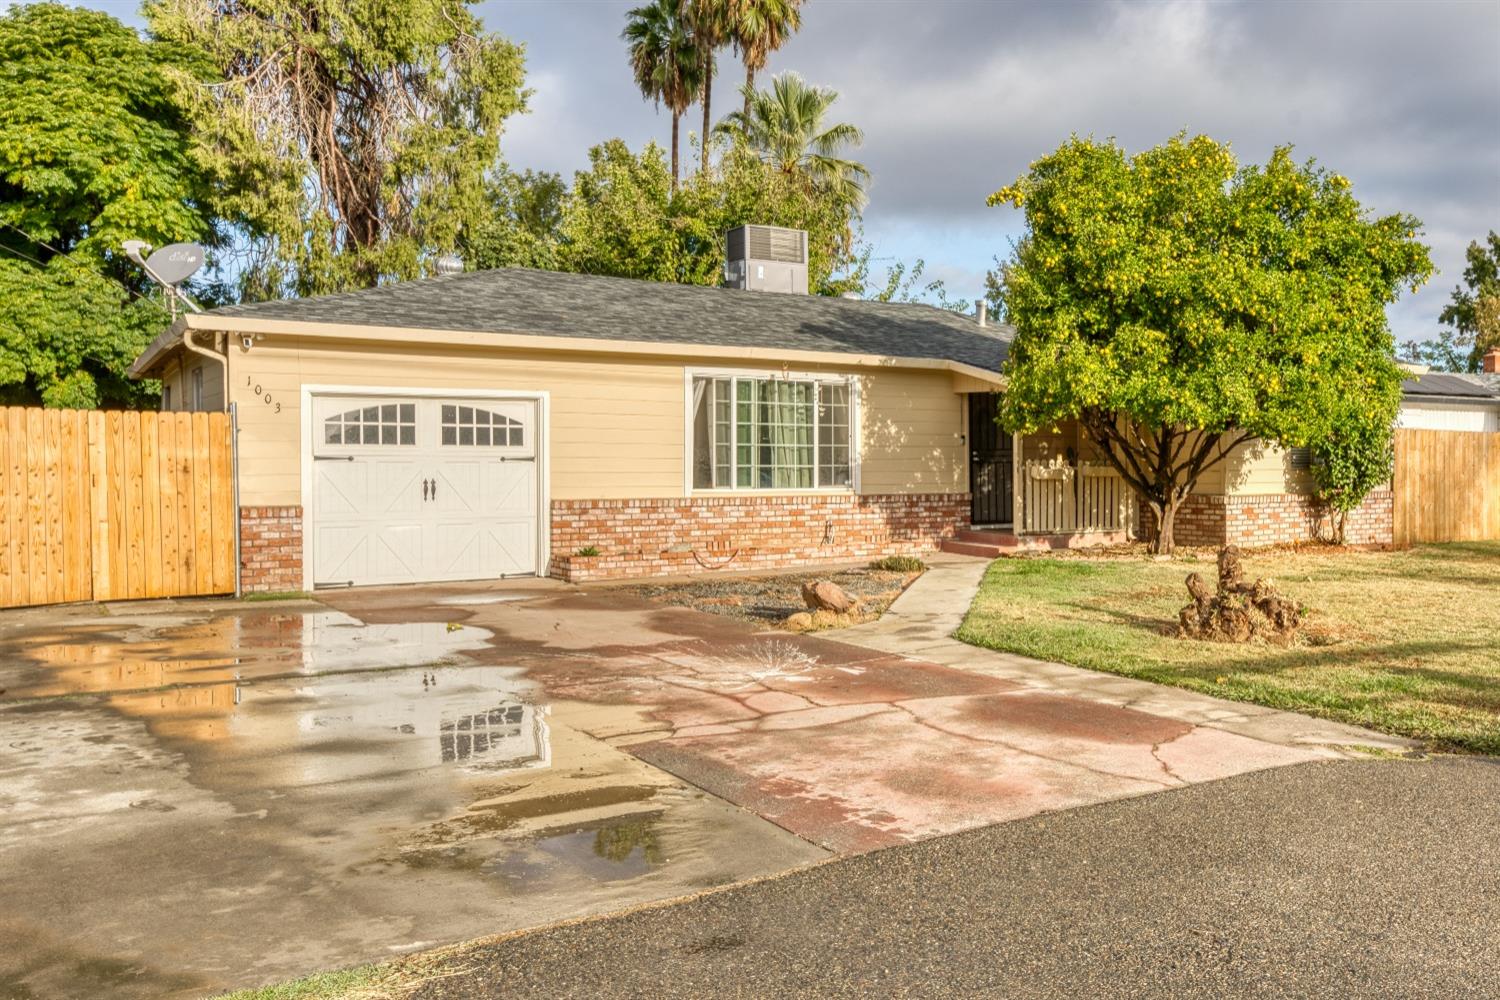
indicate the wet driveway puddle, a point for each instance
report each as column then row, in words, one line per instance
column 226, row 648
column 234, row 799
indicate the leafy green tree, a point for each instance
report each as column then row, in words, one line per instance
column 623, row 218
column 1178, row 305
column 350, row 140
column 665, row 59
column 522, row 229
column 618, row 218
column 902, row 281
column 785, row 126
column 1350, row 459
column 758, row 28
column 1442, row 353
column 93, row 151
column 1474, row 312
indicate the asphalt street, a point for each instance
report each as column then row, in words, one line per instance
column 1376, row 878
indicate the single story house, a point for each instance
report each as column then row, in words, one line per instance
column 1447, row 401
column 513, row 421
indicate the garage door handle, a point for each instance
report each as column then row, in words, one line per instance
column 424, row 489
column 333, row 458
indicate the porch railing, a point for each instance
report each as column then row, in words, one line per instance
column 1057, row 498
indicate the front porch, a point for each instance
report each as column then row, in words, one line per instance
column 1032, row 492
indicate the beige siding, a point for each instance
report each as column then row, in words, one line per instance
column 912, row 434
column 1260, row 468
column 177, row 374
column 617, row 421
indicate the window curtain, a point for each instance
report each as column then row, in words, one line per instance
column 786, row 451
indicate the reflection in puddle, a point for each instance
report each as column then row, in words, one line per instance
column 234, row 647
column 627, row 847
column 186, row 682
column 505, row 737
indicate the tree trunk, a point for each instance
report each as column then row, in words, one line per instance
column 675, row 119
column 1163, row 543
column 708, row 93
column 749, row 88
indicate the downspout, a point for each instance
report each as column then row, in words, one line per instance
column 222, row 360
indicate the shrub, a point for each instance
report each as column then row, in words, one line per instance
column 900, row 564
column 588, row 550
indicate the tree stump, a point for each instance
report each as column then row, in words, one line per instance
column 1237, row 611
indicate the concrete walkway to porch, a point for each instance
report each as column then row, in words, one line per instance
column 921, row 623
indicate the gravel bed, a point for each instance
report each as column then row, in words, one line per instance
column 771, row 599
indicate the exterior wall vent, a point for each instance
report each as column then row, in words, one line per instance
column 766, row 259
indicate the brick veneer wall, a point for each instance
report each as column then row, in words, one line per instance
column 664, row 537
column 1275, row 519
column 270, row 549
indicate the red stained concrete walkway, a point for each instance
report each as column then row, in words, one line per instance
column 847, row 746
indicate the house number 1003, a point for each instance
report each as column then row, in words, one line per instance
column 265, row 397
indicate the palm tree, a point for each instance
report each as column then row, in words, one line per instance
column 785, row 127
column 710, row 22
column 664, row 59
column 758, row 28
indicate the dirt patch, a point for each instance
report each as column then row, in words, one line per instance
column 772, row 599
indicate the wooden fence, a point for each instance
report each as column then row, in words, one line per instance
column 109, row 505
column 1446, row 486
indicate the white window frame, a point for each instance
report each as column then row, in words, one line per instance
column 197, row 380
column 856, row 406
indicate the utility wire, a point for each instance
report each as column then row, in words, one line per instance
column 77, row 263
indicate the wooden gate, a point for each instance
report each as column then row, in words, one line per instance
column 1446, row 486
column 105, row 506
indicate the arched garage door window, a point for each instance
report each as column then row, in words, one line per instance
column 473, row 426
column 388, row 423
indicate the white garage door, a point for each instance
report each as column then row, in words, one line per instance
column 408, row 490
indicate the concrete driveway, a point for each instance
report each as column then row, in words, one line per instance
column 199, row 795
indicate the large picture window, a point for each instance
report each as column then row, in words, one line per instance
column 754, row 433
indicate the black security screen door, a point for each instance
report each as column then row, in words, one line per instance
column 990, row 468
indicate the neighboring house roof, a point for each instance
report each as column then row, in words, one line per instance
column 591, row 307
column 1452, row 386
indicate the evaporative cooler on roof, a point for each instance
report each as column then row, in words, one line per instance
column 766, row 259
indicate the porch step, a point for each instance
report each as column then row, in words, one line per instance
column 986, row 536
column 987, row 544
column 979, row 549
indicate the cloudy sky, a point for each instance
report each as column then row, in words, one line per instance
column 955, row 98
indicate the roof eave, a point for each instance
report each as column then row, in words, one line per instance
column 158, row 348
column 1415, row 397
column 543, row 342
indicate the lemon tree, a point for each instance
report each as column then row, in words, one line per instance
column 1178, row 304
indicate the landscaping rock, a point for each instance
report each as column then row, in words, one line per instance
column 825, row 595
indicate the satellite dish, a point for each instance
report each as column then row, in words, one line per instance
column 176, row 263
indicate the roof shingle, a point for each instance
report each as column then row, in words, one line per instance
column 1458, row 385
column 557, row 304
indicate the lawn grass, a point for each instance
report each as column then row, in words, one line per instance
column 1406, row 642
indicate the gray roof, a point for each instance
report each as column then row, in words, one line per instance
column 1452, row 385
column 551, row 303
